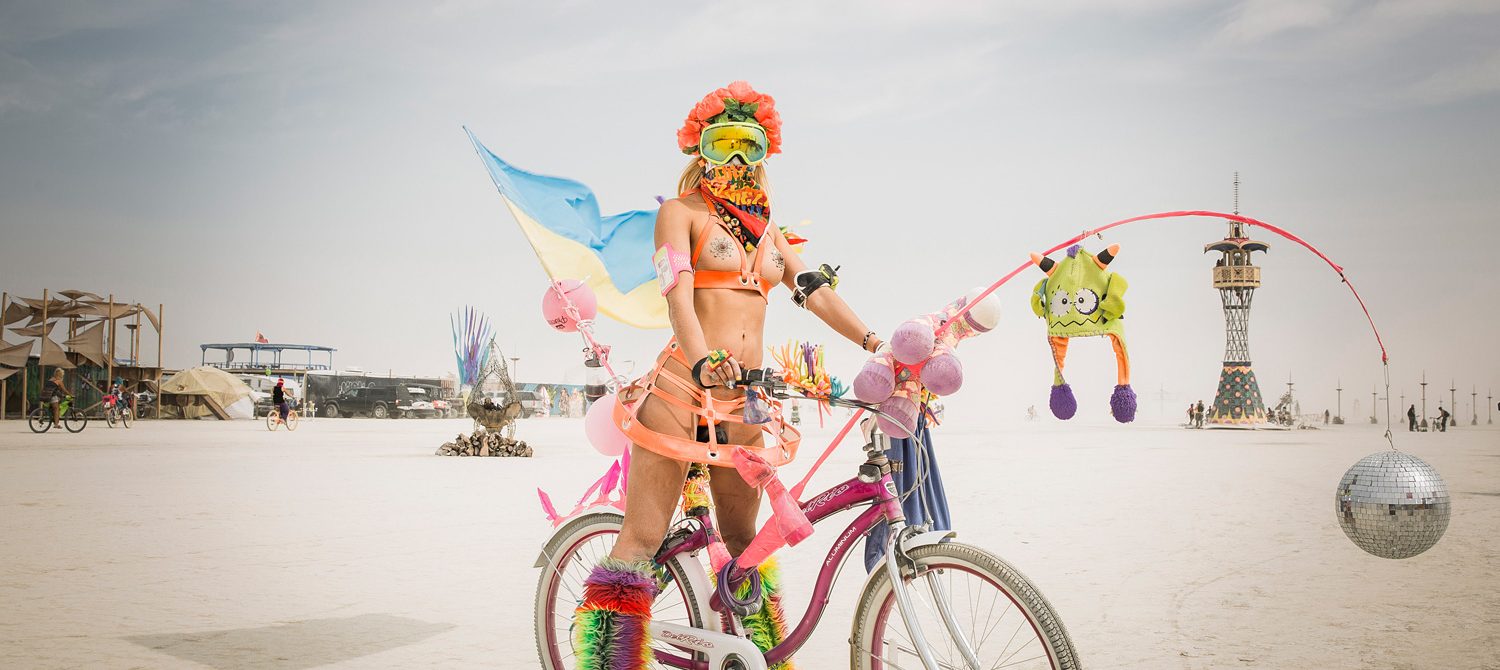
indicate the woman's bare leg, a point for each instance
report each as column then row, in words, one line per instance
column 736, row 503
column 655, row 485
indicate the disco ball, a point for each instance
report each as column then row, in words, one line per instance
column 1393, row 505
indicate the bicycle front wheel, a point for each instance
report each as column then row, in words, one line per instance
column 962, row 596
column 291, row 420
column 572, row 553
column 75, row 421
column 127, row 416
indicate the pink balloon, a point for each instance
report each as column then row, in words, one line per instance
column 904, row 410
column 876, row 381
column 600, row 427
column 554, row 307
column 943, row 374
column 913, row 341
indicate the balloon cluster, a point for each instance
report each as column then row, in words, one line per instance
column 919, row 355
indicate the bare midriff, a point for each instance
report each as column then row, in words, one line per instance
column 731, row 319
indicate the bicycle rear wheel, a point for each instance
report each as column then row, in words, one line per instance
column 271, row 419
column 109, row 417
column 75, row 421
column 40, row 420
column 1002, row 616
column 572, row 553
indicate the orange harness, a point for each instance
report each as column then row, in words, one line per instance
column 747, row 278
column 783, row 439
column 781, row 445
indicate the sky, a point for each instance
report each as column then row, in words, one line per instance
column 300, row 169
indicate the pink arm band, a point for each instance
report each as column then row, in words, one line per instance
column 669, row 263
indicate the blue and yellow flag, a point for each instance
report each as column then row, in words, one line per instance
column 612, row 254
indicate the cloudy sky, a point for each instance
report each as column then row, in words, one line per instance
column 300, row 168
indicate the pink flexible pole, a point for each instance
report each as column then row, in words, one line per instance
column 1181, row 214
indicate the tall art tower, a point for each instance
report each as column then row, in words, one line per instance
column 1237, row 401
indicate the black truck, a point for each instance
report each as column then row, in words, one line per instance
column 381, row 403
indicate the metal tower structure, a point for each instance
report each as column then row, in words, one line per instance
column 1237, row 401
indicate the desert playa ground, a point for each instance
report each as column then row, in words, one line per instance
column 347, row 544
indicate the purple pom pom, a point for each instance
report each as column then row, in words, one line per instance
column 1063, row 404
column 1122, row 404
column 875, row 382
column 943, row 374
column 912, row 342
column 904, row 410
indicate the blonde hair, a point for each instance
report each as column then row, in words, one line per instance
column 692, row 175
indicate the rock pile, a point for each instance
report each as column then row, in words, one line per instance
column 484, row 443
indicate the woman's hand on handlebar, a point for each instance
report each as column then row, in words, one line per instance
column 723, row 374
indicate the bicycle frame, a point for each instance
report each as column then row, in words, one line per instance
column 885, row 505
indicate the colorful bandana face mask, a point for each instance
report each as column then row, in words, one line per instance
column 739, row 199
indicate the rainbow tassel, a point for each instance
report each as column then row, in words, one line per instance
column 610, row 627
column 768, row 627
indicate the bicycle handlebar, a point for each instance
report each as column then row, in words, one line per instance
column 770, row 381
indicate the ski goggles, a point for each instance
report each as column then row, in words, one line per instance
column 721, row 142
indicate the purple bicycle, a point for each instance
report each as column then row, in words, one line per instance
column 934, row 603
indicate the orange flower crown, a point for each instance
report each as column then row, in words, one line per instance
column 737, row 102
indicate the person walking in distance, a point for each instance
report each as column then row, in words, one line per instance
column 1411, row 419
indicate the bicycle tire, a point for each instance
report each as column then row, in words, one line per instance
column 127, row 416
column 75, row 417
column 559, row 550
column 877, row 603
column 109, row 418
column 39, row 421
column 271, row 417
column 291, row 420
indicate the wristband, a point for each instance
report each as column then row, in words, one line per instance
column 865, row 343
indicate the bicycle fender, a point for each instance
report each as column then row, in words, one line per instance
column 929, row 537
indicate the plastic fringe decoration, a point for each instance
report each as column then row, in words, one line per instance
column 610, row 629
column 768, row 627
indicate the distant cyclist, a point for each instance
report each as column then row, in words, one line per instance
column 53, row 393
column 118, row 391
column 279, row 399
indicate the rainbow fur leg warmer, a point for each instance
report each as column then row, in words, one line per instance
column 767, row 627
column 610, row 627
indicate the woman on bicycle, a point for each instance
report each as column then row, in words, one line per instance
column 718, row 256
column 53, row 393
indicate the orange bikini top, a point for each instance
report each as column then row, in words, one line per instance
column 747, row 278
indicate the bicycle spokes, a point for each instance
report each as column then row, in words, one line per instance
column 966, row 621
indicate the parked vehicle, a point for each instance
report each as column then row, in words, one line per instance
column 442, row 408
column 381, row 403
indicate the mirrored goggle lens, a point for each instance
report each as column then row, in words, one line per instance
column 720, row 143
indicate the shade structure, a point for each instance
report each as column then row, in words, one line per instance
column 37, row 330
column 218, row 386
column 53, row 355
column 78, row 295
column 89, row 343
column 14, row 355
column 14, row 312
